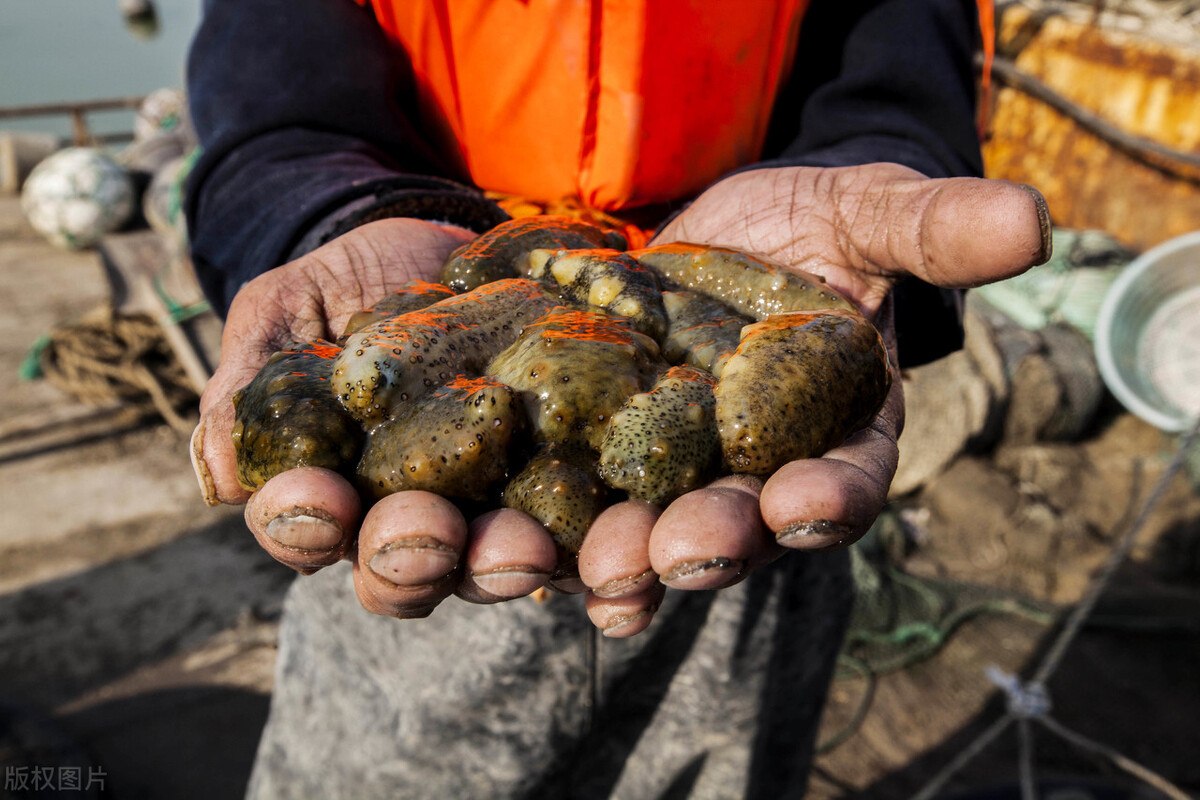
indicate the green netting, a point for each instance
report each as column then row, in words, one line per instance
column 900, row 619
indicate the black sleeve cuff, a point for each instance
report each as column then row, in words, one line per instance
column 415, row 197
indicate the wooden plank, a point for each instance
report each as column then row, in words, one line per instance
column 70, row 107
column 146, row 277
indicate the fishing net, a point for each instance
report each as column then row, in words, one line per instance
column 900, row 619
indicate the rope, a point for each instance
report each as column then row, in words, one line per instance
column 1118, row 555
column 106, row 358
column 31, row 366
column 968, row 754
column 1030, row 701
column 921, row 638
column 1147, row 775
column 935, row 635
column 1025, row 760
column 860, row 668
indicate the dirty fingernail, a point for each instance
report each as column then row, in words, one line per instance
column 305, row 529
column 510, row 582
column 623, row 586
column 208, row 489
column 568, row 583
column 414, row 562
column 815, row 533
column 711, row 574
column 416, row 612
column 1047, row 230
column 627, row 625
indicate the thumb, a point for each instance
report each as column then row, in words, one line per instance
column 953, row 232
column 253, row 330
column 213, row 458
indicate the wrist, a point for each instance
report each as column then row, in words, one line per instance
column 455, row 207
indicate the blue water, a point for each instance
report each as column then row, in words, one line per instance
column 61, row 50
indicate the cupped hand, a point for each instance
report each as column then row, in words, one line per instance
column 862, row 229
column 407, row 548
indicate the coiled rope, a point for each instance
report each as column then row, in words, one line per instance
column 107, row 357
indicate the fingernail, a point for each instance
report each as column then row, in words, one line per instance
column 1047, row 230
column 628, row 624
column 624, row 586
column 618, row 626
column 208, row 489
column 710, row 574
column 817, row 533
column 413, row 612
column 513, row 582
column 305, row 529
column 567, row 584
column 414, row 562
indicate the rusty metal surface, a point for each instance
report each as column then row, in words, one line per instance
column 1145, row 87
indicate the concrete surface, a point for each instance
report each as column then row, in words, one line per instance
column 135, row 620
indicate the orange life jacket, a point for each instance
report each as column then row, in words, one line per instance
column 619, row 103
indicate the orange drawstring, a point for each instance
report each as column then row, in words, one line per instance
column 987, row 30
column 517, row 207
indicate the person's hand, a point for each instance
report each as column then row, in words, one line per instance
column 861, row 228
column 407, row 548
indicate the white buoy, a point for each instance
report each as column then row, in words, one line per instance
column 76, row 196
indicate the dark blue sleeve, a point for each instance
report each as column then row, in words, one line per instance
column 887, row 80
column 302, row 110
